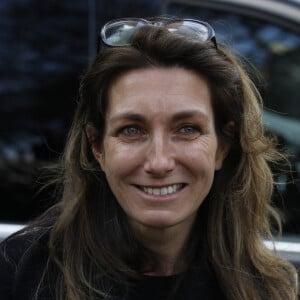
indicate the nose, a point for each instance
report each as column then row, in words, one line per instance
column 160, row 157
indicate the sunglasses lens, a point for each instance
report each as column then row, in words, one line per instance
column 119, row 33
column 191, row 29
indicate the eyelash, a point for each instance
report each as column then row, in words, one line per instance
column 124, row 130
column 190, row 131
column 193, row 127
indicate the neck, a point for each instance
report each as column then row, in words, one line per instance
column 166, row 245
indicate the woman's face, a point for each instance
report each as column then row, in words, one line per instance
column 160, row 149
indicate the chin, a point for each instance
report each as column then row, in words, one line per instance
column 159, row 224
column 161, row 221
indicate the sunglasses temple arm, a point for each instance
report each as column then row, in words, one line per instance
column 213, row 39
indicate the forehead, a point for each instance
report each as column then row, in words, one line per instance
column 159, row 90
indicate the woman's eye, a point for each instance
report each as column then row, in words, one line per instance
column 189, row 129
column 130, row 131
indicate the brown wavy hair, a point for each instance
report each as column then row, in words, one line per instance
column 91, row 241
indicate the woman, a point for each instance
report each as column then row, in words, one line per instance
column 166, row 183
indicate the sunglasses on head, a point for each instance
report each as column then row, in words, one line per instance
column 117, row 33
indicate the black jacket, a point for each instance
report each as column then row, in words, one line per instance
column 25, row 256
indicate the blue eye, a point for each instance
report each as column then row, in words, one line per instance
column 189, row 129
column 130, row 130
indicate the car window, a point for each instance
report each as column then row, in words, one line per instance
column 275, row 51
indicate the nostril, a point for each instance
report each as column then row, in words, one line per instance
column 159, row 166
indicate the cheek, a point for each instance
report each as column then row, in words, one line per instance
column 201, row 155
column 119, row 158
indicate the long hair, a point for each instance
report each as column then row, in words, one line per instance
column 91, row 242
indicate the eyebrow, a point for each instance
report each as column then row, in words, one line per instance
column 127, row 116
column 189, row 114
column 176, row 117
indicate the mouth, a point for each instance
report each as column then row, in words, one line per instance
column 164, row 190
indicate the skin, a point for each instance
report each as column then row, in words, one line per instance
column 159, row 134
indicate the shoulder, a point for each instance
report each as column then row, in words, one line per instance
column 21, row 245
column 23, row 257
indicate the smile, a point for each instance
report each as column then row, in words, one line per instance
column 166, row 190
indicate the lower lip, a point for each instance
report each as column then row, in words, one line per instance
column 159, row 197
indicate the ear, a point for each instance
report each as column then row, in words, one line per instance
column 224, row 146
column 96, row 147
column 222, row 152
column 91, row 132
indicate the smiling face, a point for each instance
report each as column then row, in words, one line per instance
column 160, row 149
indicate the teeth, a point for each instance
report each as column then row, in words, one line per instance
column 156, row 191
column 162, row 191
